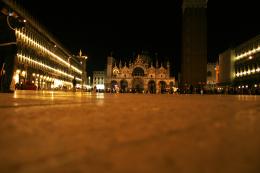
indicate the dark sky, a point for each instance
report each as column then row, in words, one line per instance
column 128, row 27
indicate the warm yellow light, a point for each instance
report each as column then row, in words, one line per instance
column 26, row 39
column 23, row 73
column 16, row 78
column 250, row 52
column 48, row 67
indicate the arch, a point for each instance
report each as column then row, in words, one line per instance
column 114, row 85
column 138, row 85
column 152, row 86
column 123, row 86
column 138, row 71
column 209, row 74
column 162, row 85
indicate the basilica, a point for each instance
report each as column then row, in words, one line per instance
column 139, row 75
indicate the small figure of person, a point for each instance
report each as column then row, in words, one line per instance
column 74, row 82
column 201, row 91
column 191, row 89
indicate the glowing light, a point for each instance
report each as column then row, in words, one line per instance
column 16, row 78
column 23, row 73
column 250, row 52
column 48, row 67
column 29, row 41
column 100, row 86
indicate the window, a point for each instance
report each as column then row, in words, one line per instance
column 138, row 72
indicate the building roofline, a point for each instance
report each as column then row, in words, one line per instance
column 22, row 12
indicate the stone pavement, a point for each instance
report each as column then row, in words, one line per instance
column 63, row 132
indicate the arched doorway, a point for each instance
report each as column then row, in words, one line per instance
column 152, row 86
column 162, row 86
column 123, row 86
column 138, row 71
column 138, row 85
column 114, row 86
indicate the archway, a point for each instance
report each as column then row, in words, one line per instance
column 123, row 86
column 152, row 86
column 138, row 85
column 138, row 71
column 162, row 86
column 114, row 86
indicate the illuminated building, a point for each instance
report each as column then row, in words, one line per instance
column 138, row 76
column 99, row 80
column 211, row 75
column 240, row 67
column 41, row 60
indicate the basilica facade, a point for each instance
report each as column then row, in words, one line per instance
column 139, row 75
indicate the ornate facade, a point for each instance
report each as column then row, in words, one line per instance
column 138, row 76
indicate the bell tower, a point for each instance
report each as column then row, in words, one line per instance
column 109, row 71
column 194, row 42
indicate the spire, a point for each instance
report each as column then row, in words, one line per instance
column 157, row 64
column 111, row 53
column 120, row 64
column 168, row 63
column 80, row 52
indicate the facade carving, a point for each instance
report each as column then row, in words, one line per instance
column 138, row 76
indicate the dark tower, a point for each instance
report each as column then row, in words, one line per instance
column 110, row 61
column 194, row 42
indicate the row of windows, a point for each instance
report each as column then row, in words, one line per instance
column 49, row 68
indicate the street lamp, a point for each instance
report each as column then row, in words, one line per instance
column 89, row 80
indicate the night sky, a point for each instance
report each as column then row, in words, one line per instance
column 129, row 27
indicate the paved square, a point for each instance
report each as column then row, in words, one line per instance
column 64, row 132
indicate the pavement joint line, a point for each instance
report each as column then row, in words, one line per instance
column 40, row 105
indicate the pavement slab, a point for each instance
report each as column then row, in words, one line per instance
column 66, row 132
